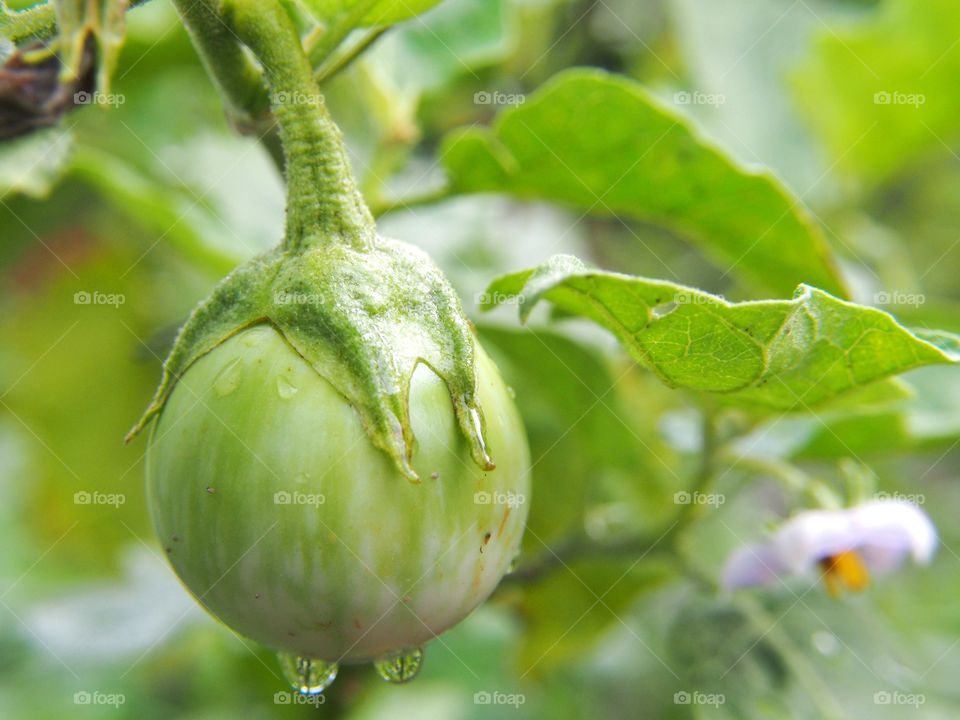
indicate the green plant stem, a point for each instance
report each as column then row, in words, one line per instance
column 339, row 63
column 235, row 75
column 324, row 204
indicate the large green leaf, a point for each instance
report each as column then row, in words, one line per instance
column 603, row 144
column 883, row 93
column 785, row 354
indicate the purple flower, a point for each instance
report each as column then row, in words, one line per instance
column 847, row 545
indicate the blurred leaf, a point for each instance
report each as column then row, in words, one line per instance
column 381, row 12
column 928, row 419
column 452, row 40
column 601, row 143
column 579, row 434
column 32, row 164
column 736, row 53
column 785, row 354
column 567, row 611
column 883, row 93
column 215, row 219
column 718, row 650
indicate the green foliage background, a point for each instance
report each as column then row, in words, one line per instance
column 736, row 146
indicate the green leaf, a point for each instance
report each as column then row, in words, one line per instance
column 568, row 611
column 883, row 93
column 603, row 144
column 782, row 354
column 380, row 12
column 32, row 164
column 570, row 393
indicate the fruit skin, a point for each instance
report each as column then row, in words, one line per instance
column 376, row 564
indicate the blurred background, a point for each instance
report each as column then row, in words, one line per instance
column 116, row 222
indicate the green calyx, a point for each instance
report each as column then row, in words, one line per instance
column 362, row 310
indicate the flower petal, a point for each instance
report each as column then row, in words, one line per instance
column 752, row 565
column 894, row 527
column 813, row 535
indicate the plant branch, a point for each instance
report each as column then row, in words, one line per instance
column 324, row 204
column 428, row 198
column 236, row 77
column 342, row 61
column 337, row 30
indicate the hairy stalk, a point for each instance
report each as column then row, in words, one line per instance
column 324, row 204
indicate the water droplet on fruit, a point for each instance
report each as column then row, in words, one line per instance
column 286, row 389
column 228, row 379
column 307, row 675
column 400, row 667
column 477, row 425
column 511, row 392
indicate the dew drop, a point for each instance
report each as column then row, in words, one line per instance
column 228, row 379
column 511, row 392
column 400, row 667
column 307, row 675
column 301, row 478
column 478, row 434
column 286, row 389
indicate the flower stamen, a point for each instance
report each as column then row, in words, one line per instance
column 844, row 570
